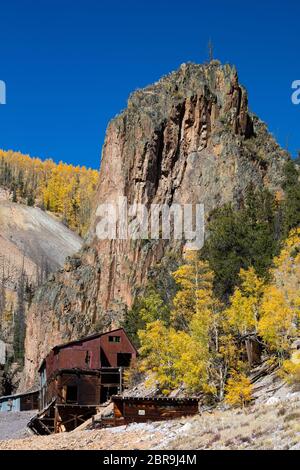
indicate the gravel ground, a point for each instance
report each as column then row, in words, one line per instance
column 13, row 425
column 272, row 425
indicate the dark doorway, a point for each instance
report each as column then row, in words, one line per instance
column 71, row 396
column 107, row 392
column 103, row 359
column 123, row 359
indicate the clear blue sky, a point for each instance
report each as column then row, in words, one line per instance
column 69, row 66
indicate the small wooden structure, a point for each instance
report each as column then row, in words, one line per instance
column 129, row 409
column 20, row 401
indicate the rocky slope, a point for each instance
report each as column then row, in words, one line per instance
column 31, row 238
column 32, row 245
column 189, row 138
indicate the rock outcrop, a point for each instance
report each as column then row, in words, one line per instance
column 189, row 138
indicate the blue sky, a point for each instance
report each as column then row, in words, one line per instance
column 69, row 66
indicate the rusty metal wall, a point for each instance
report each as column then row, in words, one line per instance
column 92, row 386
column 112, row 349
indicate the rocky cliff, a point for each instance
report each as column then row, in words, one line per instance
column 32, row 244
column 189, row 138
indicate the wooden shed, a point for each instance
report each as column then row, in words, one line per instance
column 127, row 409
column 20, row 401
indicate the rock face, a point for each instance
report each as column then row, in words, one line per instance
column 189, row 138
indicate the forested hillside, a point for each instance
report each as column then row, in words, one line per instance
column 63, row 189
column 231, row 306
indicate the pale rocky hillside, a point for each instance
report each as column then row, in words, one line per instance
column 33, row 245
column 33, row 238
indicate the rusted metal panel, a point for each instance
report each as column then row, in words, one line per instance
column 112, row 349
column 76, row 387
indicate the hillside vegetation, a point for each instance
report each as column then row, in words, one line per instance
column 63, row 189
column 231, row 306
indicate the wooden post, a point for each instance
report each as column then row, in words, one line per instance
column 121, row 379
column 56, row 420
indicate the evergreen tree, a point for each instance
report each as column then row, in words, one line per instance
column 238, row 239
column 291, row 203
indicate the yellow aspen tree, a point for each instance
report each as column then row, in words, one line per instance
column 161, row 355
column 194, row 279
column 60, row 188
column 278, row 322
column 238, row 390
column 243, row 312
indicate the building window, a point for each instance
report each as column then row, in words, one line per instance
column 114, row 339
column 88, row 359
column 71, row 396
column 123, row 359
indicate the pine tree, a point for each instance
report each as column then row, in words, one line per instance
column 238, row 239
column 291, row 203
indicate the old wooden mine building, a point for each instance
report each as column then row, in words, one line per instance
column 128, row 409
column 76, row 377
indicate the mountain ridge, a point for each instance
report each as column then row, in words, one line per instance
column 189, row 138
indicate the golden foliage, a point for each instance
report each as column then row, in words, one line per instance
column 206, row 342
column 243, row 312
column 63, row 189
column 280, row 307
column 162, row 350
column 172, row 358
column 195, row 295
column 238, row 390
column 276, row 325
column 290, row 370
